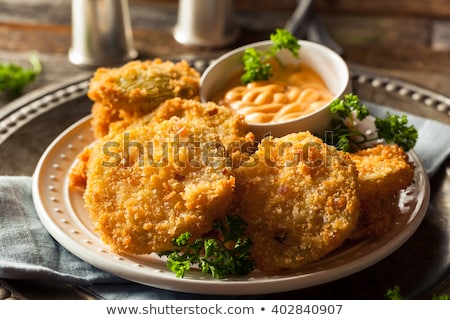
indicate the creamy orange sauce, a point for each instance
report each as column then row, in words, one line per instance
column 291, row 92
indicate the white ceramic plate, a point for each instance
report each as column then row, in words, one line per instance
column 62, row 212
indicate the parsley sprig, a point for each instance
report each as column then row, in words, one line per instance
column 256, row 63
column 395, row 294
column 228, row 254
column 392, row 129
column 14, row 78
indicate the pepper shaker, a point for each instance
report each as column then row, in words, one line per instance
column 208, row 23
column 101, row 33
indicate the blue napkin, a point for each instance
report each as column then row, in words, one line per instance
column 27, row 251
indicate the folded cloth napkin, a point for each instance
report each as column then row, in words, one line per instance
column 27, row 251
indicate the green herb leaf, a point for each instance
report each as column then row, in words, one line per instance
column 283, row 39
column 228, row 254
column 255, row 69
column 395, row 129
column 347, row 137
column 256, row 66
column 14, row 78
column 441, row 297
column 394, row 294
column 344, row 108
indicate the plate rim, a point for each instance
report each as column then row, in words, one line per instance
column 232, row 287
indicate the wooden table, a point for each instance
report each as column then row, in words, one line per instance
column 404, row 39
column 408, row 39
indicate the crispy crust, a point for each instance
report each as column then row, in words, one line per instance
column 77, row 174
column 300, row 203
column 377, row 217
column 141, row 198
column 141, row 86
column 383, row 171
column 126, row 93
column 103, row 118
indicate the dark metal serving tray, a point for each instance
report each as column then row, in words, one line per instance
column 421, row 267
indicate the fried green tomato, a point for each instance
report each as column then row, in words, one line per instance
column 137, row 88
column 383, row 171
column 299, row 197
column 164, row 175
column 142, row 85
column 377, row 217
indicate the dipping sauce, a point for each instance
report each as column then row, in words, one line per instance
column 291, row 92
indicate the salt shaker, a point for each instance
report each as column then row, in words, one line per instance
column 101, row 33
column 208, row 23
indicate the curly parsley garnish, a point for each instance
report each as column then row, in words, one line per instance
column 228, row 254
column 392, row 129
column 395, row 129
column 256, row 65
column 395, row 294
column 14, row 78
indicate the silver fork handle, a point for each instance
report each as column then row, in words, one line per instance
column 305, row 24
column 298, row 23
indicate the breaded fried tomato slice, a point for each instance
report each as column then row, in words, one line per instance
column 164, row 175
column 140, row 86
column 299, row 197
column 383, row 170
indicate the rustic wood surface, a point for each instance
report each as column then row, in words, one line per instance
column 407, row 39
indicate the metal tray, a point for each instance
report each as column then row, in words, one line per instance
column 421, row 267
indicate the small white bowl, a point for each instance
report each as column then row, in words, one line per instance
column 325, row 62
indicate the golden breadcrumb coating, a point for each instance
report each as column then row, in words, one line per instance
column 165, row 174
column 136, row 88
column 383, row 171
column 143, row 85
column 77, row 174
column 105, row 117
column 377, row 216
column 299, row 197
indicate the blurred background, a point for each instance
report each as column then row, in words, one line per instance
column 408, row 39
